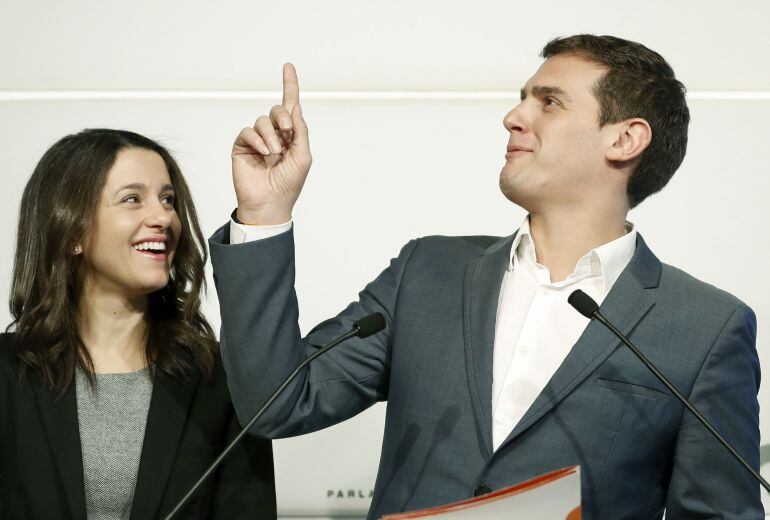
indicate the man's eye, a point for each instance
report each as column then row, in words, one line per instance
column 550, row 102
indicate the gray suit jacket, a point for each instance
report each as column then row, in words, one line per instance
column 602, row 409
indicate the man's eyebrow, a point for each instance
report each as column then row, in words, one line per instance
column 140, row 186
column 546, row 90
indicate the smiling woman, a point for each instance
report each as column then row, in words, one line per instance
column 112, row 397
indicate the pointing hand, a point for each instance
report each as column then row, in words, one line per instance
column 271, row 160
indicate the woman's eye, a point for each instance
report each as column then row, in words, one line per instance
column 168, row 199
column 131, row 198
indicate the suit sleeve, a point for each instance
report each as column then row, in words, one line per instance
column 261, row 341
column 706, row 481
column 245, row 486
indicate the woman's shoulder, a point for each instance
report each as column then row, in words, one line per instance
column 206, row 383
column 8, row 358
column 216, row 380
column 214, row 389
column 216, row 371
column 9, row 363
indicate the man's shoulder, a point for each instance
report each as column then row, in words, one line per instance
column 463, row 245
column 696, row 294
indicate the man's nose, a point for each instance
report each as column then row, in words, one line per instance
column 515, row 120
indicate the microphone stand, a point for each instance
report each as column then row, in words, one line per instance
column 364, row 327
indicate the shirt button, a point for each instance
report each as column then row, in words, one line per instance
column 523, row 350
column 482, row 489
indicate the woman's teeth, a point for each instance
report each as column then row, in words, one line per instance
column 155, row 246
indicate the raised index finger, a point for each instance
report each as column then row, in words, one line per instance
column 290, row 87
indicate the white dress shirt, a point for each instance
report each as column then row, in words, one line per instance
column 242, row 233
column 536, row 327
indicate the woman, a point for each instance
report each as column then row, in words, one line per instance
column 113, row 400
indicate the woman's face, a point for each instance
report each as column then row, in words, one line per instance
column 131, row 245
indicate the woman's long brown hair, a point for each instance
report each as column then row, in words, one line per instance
column 57, row 209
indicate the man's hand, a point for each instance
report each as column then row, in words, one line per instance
column 271, row 160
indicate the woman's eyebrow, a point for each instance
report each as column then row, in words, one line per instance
column 140, row 186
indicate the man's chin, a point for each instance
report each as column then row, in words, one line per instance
column 514, row 187
column 510, row 182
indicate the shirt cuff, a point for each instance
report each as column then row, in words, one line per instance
column 242, row 233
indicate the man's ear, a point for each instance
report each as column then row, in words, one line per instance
column 631, row 138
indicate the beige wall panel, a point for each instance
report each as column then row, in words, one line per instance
column 351, row 45
column 385, row 172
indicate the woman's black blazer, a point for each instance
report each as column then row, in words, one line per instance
column 41, row 469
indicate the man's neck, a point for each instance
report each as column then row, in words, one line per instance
column 562, row 238
column 114, row 330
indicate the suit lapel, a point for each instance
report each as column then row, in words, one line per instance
column 625, row 304
column 166, row 419
column 60, row 420
column 483, row 278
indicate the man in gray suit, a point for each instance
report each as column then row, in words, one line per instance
column 490, row 377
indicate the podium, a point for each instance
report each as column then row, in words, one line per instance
column 554, row 495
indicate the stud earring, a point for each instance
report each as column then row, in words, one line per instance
column 77, row 250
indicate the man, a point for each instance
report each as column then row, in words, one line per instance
column 490, row 376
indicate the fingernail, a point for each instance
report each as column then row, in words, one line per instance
column 285, row 124
column 264, row 150
column 275, row 146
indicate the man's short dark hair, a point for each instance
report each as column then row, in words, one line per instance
column 638, row 83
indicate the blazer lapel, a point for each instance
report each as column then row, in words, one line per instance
column 60, row 420
column 166, row 418
column 625, row 304
column 483, row 278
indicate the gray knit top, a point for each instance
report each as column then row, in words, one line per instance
column 112, row 417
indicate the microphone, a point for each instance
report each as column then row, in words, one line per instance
column 362, row 328
column 586, row 306
column 369, row 325
column 583, row 303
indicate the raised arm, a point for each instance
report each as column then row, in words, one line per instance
column 260, row 337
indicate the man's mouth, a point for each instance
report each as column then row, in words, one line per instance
column 514, row 151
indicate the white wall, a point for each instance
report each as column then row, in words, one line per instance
column 389, row 163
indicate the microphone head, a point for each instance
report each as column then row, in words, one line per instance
column 369, row 325
column 583, row 303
